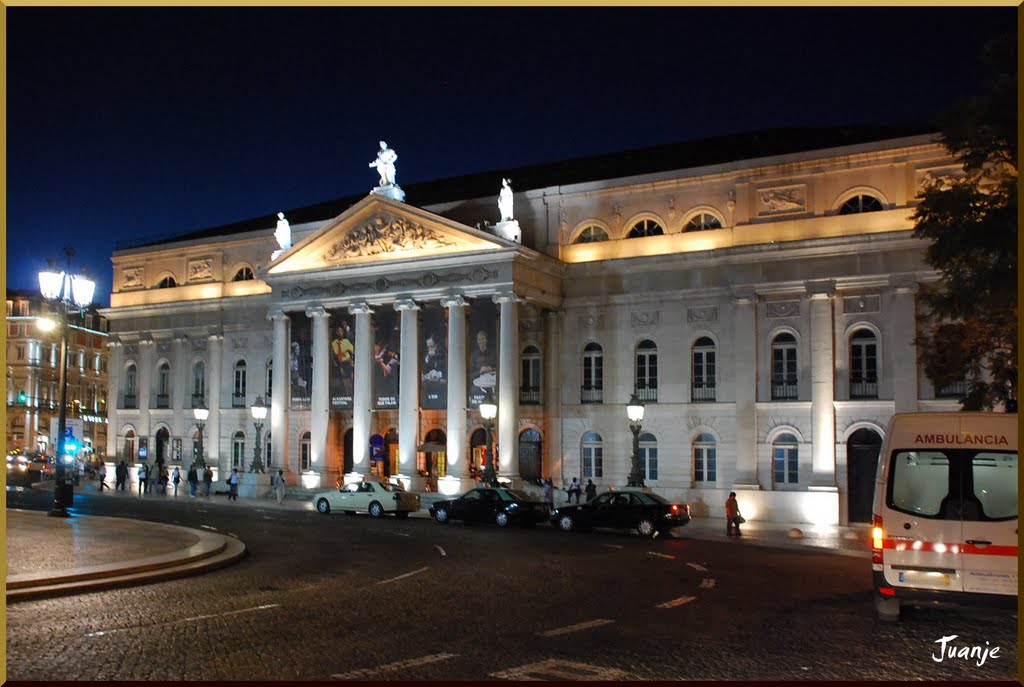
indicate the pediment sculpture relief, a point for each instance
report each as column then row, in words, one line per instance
column 379, row 237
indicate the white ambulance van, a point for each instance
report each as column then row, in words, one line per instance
column 945, row 512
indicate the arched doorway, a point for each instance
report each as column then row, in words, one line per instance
column 163, row 442
column 477, row 452
column 348, row 465
column 861, row 462
column 391, row 452
column 432, row 462
column 530, row 455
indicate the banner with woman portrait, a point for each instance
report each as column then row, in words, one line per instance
column 434, row 357
column 386, row 341
column 483, row 357
column 300, row 359
column 341, row 370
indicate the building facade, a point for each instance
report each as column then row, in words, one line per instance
column 33, row 374
column 762, row 306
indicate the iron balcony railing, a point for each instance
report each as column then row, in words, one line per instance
column 131, row 400
column 163, row 400
column 591, row 394
column 863, row 388
column 237, row 400
column 702, row 393
column 529, row 395
column 955, row 390
column 647, row 394
column 785, row 390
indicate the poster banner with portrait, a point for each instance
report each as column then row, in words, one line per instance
column 483, row 352
column 434, row 357
column 341, row 370
column 300, row 360
column 386, row 340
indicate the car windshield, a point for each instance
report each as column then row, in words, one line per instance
column 510, row 495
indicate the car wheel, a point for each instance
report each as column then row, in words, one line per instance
column 322, row 506
column 646, row 528
column 888, row 610
column 403, row 514
column 566, row 524
column 376, row 510
column 441, row 515
column 501, row 519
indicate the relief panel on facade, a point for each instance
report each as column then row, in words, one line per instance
column 859, row 304
column 782, row 199
column 200, row 270
column 775, row 309
column 592, row 319
column 131, row 278
column 943, row 178
column 707, row 313
column 646, row 318
column 380, row 237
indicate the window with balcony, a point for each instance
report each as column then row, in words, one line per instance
column 530, row 377
column 702, row 386
column 646, row 380
column 784, row 368
column 131, row 397
column 199, row 384
column 268, row 392
column 863, row 364
column 238, row 387
column 592, row 389
column 592, row 456
column 163, row 386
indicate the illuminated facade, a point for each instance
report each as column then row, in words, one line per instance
column 762, row 305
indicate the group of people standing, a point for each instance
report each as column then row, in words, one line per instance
column 155, row 479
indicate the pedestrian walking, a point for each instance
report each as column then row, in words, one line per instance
column 591, row 490
column 120, row 475
column 733, row 519
column 143, row 479
column 176, row 479
column 233, row 485
column 193, row 479
column 549, row 494
column 575, row 490
column 279, row 485
column 207, row 480
column 102, row 474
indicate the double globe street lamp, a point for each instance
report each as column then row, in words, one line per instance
column 488, row 411
column 635, row 413
column 200, row 413
column 259, row 413
column 67, row 293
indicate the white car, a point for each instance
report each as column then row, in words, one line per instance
column 368, row 496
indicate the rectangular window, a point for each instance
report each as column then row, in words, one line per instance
column 593, row 461
column 649, row 456
column 995, row 484
column 786, row 462
column 704, row 464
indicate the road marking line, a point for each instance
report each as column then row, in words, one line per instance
column 101, row 633
column 698, row 567
column 661, row 555
column 676, row 602
column 391, row 667
column 401, row 534
column 614, row 546
column 576, row 628
column 707, row 583
column 557, row 669
column 440, row 549
column 408, row 574
column 207, row 527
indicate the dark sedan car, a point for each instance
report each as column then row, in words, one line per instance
column 503, row 507
column 647, row 513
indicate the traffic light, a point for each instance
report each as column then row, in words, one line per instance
column 71, row 447
column 22, row 397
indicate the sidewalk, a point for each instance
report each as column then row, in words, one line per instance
column 47, row 556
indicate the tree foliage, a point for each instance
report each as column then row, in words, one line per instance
column 970, row 329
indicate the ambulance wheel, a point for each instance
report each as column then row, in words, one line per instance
column 887, row 608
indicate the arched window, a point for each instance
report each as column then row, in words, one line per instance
column 163, row 385
column 593, row 374
column 238, row 450
column 130, row 446
column 702, row 221
column 649, row 456
column 647, row 371
column 785, row 459
column 167, row 283
column 530, row 452
column 530, row 379
column 199, row 384
column 863, row 364
column 131, row 396
column 238, row 389
column 784, row 369
column 859, row 204
column 593, row 455
column 243, row 274
column 645, row 227
column 592, row 234
column 703, row 383
column 705, row 470
column 305, row 452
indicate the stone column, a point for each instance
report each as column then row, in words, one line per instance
column 745, row 385
column 320, row 397
column 115, row 360
column 214, row 383
column 147, row 348
column 901, row 353
column 821, row 296
column 279, row 389
column 408, row 392
column 552, row 394
column 508, row 385
column 458, row 471
column 363, row 386
column 182, row 396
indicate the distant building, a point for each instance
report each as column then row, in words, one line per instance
column 757, row 292
column 33, row 372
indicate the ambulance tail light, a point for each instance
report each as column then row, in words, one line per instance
column 877, row 534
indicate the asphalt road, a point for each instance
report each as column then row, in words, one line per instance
column 354, row 598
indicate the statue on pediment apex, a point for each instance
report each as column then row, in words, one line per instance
column 385, row 164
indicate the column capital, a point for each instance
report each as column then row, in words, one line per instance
column 901, row 283
column 454, row 301
column 817, row 290
column 360, row 309
column 406, row 304
column 507, row 297
column 316, row 311
column 554, row 312
column 277, row 314
column 744, row 295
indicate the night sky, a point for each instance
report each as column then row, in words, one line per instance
column 143, row 123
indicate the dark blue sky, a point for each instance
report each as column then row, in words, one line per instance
column 126, row 124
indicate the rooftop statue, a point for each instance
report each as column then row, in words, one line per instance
column 283, row 233
column 505, row 201
column 385, row 164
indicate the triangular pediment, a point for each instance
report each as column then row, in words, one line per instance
column 379, row 229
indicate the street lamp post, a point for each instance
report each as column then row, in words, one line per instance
column 488, row 411
column 259, row 412
column 635, row 413
column 66, row 292
column 200, row 413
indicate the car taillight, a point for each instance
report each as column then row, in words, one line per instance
column 675, row 508
column 877, row 535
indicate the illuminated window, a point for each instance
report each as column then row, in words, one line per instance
column 593, row 455
column 785, row 459
column 129, row 446
column 592, row 234
column 859, row 204
column 243, row 274
column 704, row 467
column 645, row 227
column 702, row 221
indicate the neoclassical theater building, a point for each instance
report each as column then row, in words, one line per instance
column 757, row 292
